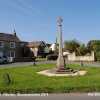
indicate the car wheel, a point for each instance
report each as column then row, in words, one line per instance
column 5, row 62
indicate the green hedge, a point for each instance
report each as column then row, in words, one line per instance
column 24, row 59
column 52, row 57
column 98, row 56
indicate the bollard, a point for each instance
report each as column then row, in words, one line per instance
column 6, row 78
column 81, row 63
column 34, row 64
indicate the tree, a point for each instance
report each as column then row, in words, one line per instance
column 25, row 51
column 82, row 50
column 71, row 45
column 94, row 45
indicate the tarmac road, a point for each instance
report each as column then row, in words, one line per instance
column 95, row 64
column 16, row 64
column 72, row 96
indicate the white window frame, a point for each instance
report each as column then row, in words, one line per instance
column 11, row 43
column 13, row 52
column 2, row 44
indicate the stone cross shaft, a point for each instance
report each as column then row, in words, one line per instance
column 60, row 60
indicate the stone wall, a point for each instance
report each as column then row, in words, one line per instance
column 73, row 57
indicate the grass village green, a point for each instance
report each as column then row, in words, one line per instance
column 26, row 80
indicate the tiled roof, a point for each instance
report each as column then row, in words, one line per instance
column 35, row 44
column 9, row 37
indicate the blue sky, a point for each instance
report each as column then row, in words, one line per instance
column 36, row 20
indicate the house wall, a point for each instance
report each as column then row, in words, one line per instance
column 35, row 51
column 47, row 50
column 73, row 57
column 6, row 49
column 53, row 47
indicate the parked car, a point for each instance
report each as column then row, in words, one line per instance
column 4, row 60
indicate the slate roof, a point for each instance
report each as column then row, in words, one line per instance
column 48, row 44
column 9, row 37
column 35, row 44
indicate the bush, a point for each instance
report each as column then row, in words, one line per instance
column 52, row 57
column 39, row 56
column 25, row 59
column 98, row 56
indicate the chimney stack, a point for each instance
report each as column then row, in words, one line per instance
column 14, row 32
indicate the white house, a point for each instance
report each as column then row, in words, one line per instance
column 53, row 46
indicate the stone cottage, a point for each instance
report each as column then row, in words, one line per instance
column 10, row 45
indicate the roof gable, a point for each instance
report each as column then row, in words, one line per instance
column 36, row 44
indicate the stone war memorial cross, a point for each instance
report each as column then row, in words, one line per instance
column 60, row 69
column 61, row 66
column 60, row 60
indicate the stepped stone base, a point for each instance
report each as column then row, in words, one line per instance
column 55, row 73
column 62, row 71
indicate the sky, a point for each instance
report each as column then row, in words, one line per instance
column 36, row 20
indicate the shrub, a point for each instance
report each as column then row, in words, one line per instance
column 88, row 54
column 24, row 59
column 39, row 56
column 52, row 57
column 98, row 56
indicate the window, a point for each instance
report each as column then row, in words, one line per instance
column 12, row 54
column 1, row 44
column 41, row 48
column 12, row 44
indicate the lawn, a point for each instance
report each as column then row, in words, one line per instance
column 26, row 80
column 40, row 58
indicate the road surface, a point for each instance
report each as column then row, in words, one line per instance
column 16, row 64
column 95, row 64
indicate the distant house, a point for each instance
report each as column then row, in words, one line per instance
column 53, row 46
column 10, row 45
column 48, row 45
column 39, row 48
column 47, row 48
